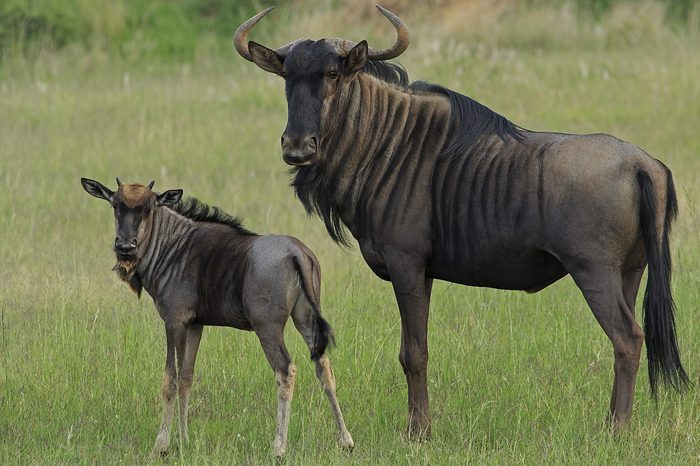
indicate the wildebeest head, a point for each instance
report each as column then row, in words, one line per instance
column 314, row 71
column 134, row 206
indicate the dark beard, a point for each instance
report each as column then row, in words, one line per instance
column 127, row 272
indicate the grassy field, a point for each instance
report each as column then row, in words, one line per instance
column 514, row 378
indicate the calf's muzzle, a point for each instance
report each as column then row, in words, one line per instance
column 124, row 247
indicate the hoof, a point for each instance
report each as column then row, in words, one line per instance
column 160, row 449
column 346, row 442
column 157, row 454
column 617, row 424
column 418, row 433
column 279, row 448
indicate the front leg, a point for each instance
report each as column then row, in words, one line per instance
column 175, row 338
column 186, row 373
column 412, row 291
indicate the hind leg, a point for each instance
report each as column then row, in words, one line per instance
column 630, row 286
column 303, row 321
column 325, row 376
column 602, row 287
column 271, row 338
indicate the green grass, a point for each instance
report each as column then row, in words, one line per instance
column 514, row 378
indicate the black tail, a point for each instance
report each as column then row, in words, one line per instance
column 311, row 283
column 323, row 336
column 659, row 325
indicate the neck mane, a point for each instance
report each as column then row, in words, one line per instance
column 365, row 124
column 200, row 212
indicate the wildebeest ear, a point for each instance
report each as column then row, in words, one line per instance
column 357, row 58
column 97, row 189
column 265, row 58
column 169, row 197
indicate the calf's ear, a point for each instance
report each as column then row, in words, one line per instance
column 169, row 197
column 97, row 189
column 265, row 58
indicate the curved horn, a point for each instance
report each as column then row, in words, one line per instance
column 402, row 38
column 343, row 46
column 285, row 49
column 150, row 185
column 240, row 37
column 119, row 182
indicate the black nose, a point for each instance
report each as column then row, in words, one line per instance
column 125, row 247
column 299, row 149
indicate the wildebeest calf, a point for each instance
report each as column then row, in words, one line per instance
column 201, row 267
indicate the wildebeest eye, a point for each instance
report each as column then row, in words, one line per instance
column 332, row 75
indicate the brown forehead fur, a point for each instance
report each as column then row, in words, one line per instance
column 133, row 195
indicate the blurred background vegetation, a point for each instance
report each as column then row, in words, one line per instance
column 130, row 28
column 177, row 30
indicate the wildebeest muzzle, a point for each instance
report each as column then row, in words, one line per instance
column 299, row 150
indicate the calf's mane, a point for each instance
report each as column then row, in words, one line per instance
column 198, row 211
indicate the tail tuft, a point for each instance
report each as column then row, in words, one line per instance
column 310, row 276
column 323, row 336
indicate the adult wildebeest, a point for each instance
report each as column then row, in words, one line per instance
column 434, row 185
column 201, row 267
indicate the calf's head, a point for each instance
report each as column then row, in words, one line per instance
column 314, row 72
column 134, row 206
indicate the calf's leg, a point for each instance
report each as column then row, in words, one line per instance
column 175, row 338
column 303, row 316
column 186, row 373
column 325, row 376
column 271, row 338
